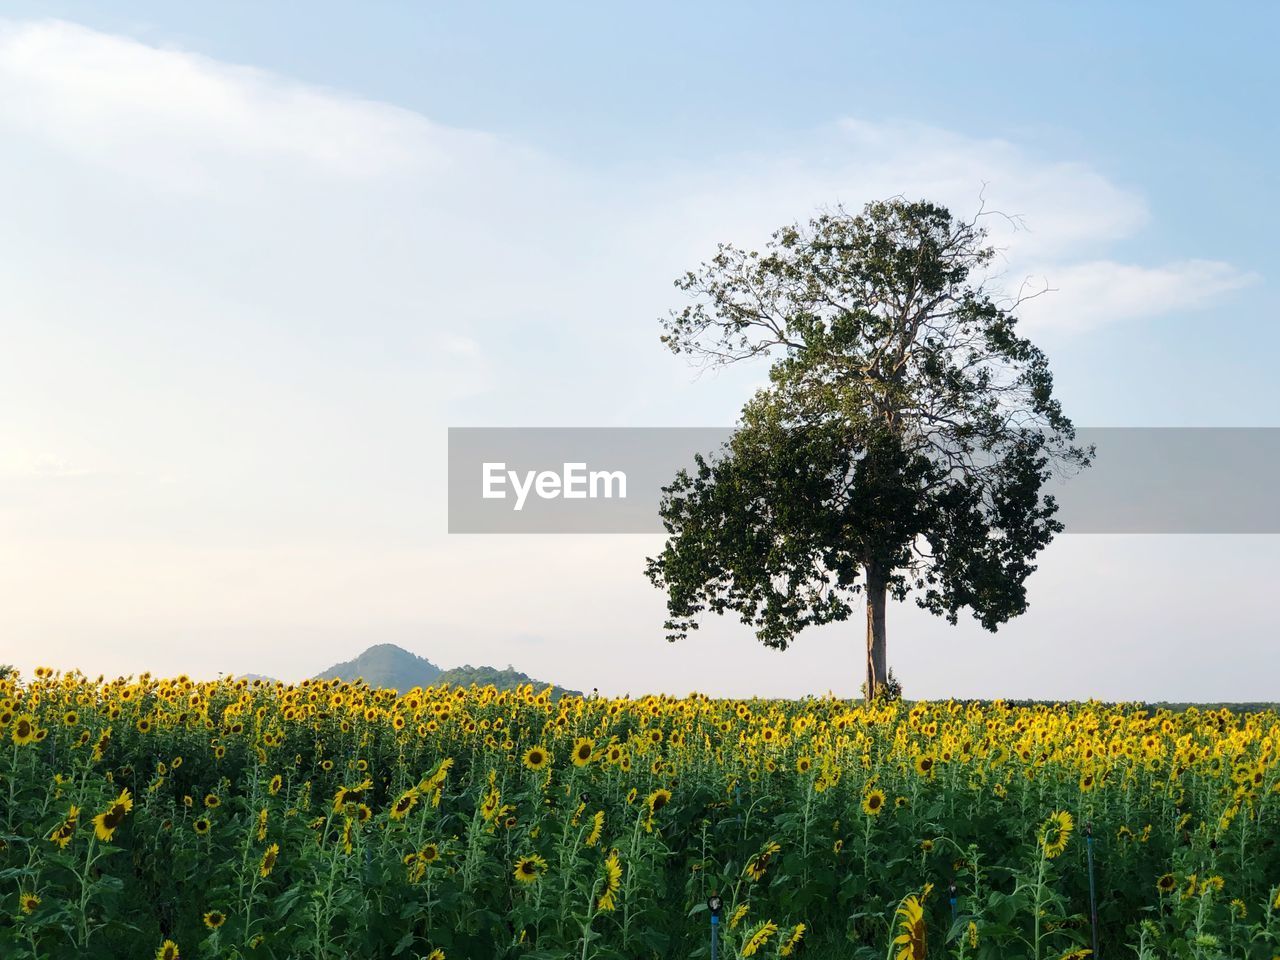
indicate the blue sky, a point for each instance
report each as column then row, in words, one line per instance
column 258, row 257
column 1170, row 101
column 1166, row 98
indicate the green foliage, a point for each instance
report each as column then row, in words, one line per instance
column 890, row 691
column 400, row 822
column 902, row 444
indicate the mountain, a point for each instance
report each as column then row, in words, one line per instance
column 386, row 665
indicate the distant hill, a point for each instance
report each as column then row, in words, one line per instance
column 386, row 665
column 1233, row 707
column 507, row 679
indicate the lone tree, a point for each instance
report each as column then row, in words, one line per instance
column 901, row 446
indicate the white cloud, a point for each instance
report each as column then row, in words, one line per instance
column 1063, row 205
column 1049, row 219
column 285, row 163
column 172, row 116
column 1087, row 295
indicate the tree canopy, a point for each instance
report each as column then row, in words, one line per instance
column 900, row 448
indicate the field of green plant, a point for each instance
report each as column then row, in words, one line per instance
column 170, row 818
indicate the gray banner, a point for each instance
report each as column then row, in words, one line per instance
column 609, row 480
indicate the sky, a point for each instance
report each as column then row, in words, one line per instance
column 256, row 259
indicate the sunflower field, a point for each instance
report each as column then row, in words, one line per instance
column 148, row 818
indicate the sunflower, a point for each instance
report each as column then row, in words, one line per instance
column 268, row 862
column 28, row 902
column 925, row 765
column 758, row 938
column 759, row 864
column 407, row 801
column 436, row 954
column 106, row 823
column 429, row 853
column 788, row 946
column 168, row 951
column 25, row 730
column 434, row 784
column 911, row 938
column 63, row 833
column 346, row 795
column 348, row 835
column 803, row 765
column 583, row 748
column 276, row 783
column 201, row 825
column 739, row 912
column 535, row 758
column 529, row 869
column 214, row 919
column 873, row 803
column 612, row 877
column 597, row 826
column 491, row 805
column 1055, row 832
column 212, row 801
column 657, row 800
column 262, row 824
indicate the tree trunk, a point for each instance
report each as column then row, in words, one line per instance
column 876, row 584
